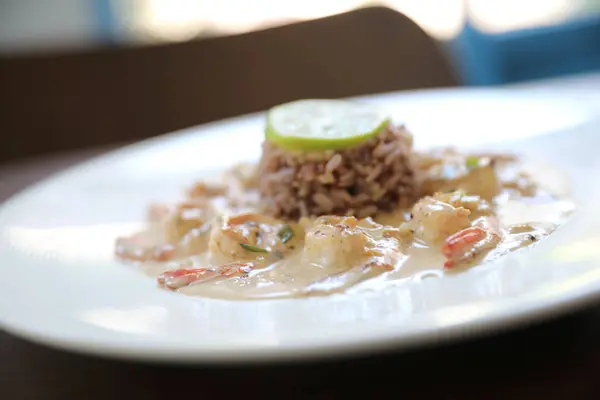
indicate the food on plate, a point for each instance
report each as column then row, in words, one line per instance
column 341, row 201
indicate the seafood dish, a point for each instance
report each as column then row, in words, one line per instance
column 342, row 201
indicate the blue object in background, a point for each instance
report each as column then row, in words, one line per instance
column 107, row 29
column 544, row 52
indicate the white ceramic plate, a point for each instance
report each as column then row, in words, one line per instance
column 61, row 286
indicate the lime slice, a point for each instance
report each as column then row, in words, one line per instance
column 319, row 124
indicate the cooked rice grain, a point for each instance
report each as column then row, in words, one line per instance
column 377, row 175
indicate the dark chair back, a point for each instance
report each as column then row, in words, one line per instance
column 59, row 102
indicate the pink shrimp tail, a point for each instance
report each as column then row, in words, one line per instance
column 455, row 245
column 179, row 278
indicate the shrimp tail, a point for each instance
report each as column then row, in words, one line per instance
column 467, row 244
column 179, row 278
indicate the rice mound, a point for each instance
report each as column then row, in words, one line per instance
column 377, row 175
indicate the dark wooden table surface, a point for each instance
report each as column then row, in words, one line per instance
column 558, row 359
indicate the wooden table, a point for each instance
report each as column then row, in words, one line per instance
column 553, row 360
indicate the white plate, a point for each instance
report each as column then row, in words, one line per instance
column 61, row 286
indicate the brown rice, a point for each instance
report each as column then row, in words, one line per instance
column 377, row 175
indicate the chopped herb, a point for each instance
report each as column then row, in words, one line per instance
column 531, row 237
column 251, row 248
column 285, row 234
column 472, row 162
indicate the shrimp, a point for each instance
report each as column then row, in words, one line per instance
column 335, row 242
column 353, row 250
column 137, row 249
column 474, row 203
column 433, row 220
column 463, row 225
column 246, row 174
column 174, row 232
column 179, row 278
column 481, row 180
column 158, row 212
column 188, row 216
column 472, row 242
column 522, row 184
column 450, row 170
column 206, row 190
column 254, row 237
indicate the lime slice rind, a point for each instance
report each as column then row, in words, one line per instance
column 319, row 124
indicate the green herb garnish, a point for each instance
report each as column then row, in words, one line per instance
column 285, row 234
column 472, row 162
column 253, row 249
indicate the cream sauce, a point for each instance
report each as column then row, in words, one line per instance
column 524, row 220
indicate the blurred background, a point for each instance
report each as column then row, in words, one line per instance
column 486, row 37
column 76, row 73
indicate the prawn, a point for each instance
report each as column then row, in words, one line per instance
column 251, row 236
column 135, row 249
column 433, row 220
column 472, row 242
column 352, row 250
column 187, row 217
column 179, row 278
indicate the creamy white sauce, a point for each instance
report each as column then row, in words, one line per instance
column 293, row 277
